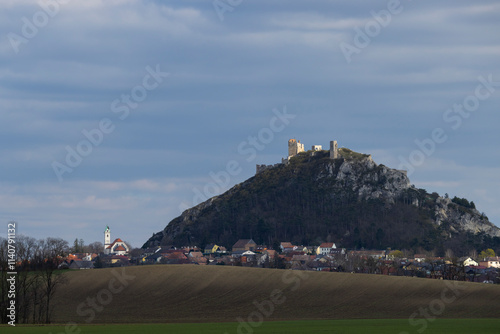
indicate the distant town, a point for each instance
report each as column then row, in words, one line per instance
column 483, row 267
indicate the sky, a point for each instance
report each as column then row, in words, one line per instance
column 126, row 112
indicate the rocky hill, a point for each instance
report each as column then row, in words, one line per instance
column 350, row 200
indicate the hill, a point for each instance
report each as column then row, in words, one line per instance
column 350, row 200
column 189, row 293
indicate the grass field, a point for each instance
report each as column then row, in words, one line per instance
column 383, row 326
column 202, row 294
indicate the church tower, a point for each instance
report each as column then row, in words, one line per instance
column 107, row 239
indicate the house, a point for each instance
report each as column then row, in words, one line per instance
column 491, row 262
column 467, row 261
column 286, row 246
column 271, row 253
column 119, row 260
column 176, row 257
column 300, row 261
column 153, row 258
column 197, row 258
column 267, row 255
column 81, row 264
column 419, row 257
column 365, row 254
column 83, row 256
column 244, row 245
column 211, row 248
column 325, row 248
column 337, row 251
column 248, row 253
column 300, row 249
column 222, row 250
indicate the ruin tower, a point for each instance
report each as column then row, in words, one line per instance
column 294, row 148
column 334, row 150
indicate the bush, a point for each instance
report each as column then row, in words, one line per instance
column 463, row 202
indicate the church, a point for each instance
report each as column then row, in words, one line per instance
column 117, row 247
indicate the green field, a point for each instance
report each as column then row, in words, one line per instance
column 383, row 326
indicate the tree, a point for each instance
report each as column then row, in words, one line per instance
column 449, row 254
column 51, row 252
column 37, row 277
column 473, row 254
column 487, row 253
column 130, row 246
column 3, row 281
column 78, row 246
column 397, row 254
column 276, row 246
column 95, row 247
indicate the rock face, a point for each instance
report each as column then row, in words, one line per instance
column 469, row 220
column 350, row 200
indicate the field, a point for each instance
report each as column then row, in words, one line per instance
column 441, row 326
column 204, row 294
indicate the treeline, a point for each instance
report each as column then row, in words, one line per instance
column 37, row 277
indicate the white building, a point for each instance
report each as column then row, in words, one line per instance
column 117, row 247
column 325, row 248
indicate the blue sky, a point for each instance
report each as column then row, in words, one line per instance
column 176, row 95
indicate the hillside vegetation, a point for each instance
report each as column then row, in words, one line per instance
column 351, row 201
column 189, row 293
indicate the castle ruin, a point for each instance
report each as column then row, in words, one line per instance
column 295, row 147
column 334, row 150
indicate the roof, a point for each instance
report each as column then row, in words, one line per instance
column 327, row 245
column 248, row 253
column 153, row 256
column 271, row 252
column 114, row 242
column 176, row 256
column 120, row 248
column 196, row 254
column 81, row 264
column 243, row 242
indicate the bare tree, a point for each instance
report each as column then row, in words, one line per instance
column 3, row 280
column 55, row 249
column 449, row 254
column 473, row 254
column 95, row 247
column 27, row 281
column 48, row 256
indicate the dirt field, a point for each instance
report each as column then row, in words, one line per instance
column 188, row 293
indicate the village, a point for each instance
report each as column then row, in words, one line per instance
column 324, row 257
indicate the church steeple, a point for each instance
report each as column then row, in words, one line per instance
column 107, row 239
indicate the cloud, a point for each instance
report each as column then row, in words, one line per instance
column 226, row 77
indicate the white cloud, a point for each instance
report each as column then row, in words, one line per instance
column 226, row 77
